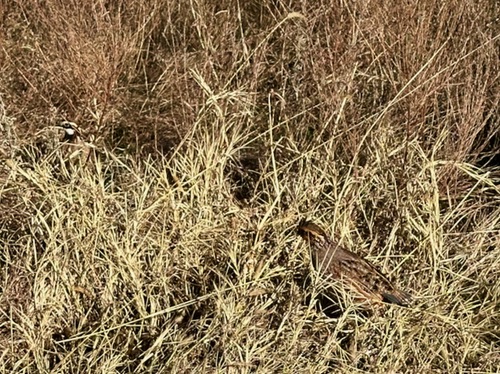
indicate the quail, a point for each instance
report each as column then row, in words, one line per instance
column 75, row 148
column 354, row 273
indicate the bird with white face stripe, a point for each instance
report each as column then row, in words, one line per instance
column 74, row 147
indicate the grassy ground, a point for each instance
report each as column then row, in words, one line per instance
column 216, row 127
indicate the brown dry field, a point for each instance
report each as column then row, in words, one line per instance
column 214, row 127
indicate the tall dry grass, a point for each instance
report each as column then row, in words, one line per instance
column 217, row 126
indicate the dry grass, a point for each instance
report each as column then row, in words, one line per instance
column 217, row 127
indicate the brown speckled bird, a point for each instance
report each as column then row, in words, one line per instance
column 354, row 273
column 75, row 149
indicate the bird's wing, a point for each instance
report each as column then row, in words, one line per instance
column 368, row 280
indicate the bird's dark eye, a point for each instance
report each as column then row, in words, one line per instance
column 68, row 125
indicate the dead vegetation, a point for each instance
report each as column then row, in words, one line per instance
column 217, row 127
